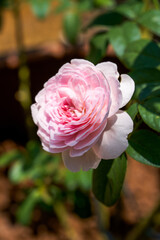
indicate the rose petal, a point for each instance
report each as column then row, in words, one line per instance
column 113, row 141
column 109, row 70
column 78, row 62
column 34, row 111
column 127, row 87
column 87, row 161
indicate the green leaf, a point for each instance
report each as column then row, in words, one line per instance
column 151, row 90
column 104, row 3
column 98, row 47
column 144, row 147
column 71, row 27
column 145, row 75
column 145, row 78
column 25, row 211
column 107, row 19
column 133, row 110
column 150, row 113
column 9, row 157
column 79, row 179
column 142, row 54
column 151, row 20
column 122, row 35
column 40, row 7
column 108, row 180
column 16, row 173
column 130, row 9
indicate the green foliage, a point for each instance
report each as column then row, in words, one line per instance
column 46, row 180
column 121, row 36
column 40, row 7
column 151, row 21
column 82, row 180
column 150, row 112
column 9, row 157
column 71, row 27
column 131, row 9
column 108, row 180
column 146, row 82
column 133, row 110
column 25, row 211
column 98, row 47
column 142, row 53
column 104, row 3
column 107, row 19
column 144, row 147
column 131, row 28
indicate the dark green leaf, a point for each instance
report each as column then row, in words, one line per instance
column 98, row 46
column 130, row 9
column 71, row 27
column 145, row 79
column 133, row 110
column 151, row 20
column 151, row 90
column 145, row 75
column 150, row 113
column 142, row 54
column 144, row 147
column 121, row 36
column 108, row 180
column 107, row 19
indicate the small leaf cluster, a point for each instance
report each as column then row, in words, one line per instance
column 44, row 180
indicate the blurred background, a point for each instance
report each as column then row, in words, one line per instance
column 39, row 198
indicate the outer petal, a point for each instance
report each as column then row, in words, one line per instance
column 111, row 74
column 78, row 62
column 87, row 161
column 127, row 87
column 108, row 69
column 113, row 141
column 34, row 112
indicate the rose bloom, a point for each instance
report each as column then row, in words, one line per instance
column 77, row 113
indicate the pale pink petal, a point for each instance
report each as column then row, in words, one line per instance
column 34, row 111
column 109, row 70
column 78, row 62
column 87, row 161
column 127, row 87
column 114, row 138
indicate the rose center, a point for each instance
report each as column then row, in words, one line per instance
column 69, row 109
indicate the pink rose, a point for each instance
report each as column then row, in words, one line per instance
column 77, row 113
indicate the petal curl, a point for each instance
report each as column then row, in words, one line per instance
column 87, row 161
column 113, row 141
column 127, row 87
column 111, row 74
